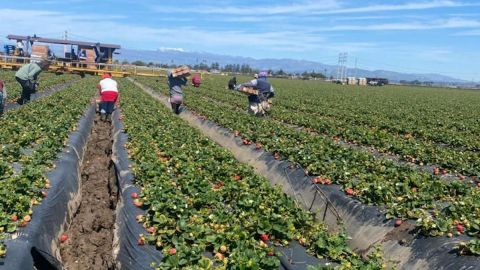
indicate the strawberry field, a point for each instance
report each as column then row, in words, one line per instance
column 199, row 199
column 46, row 80
column 315, row 125
column 31, row 137
column 411, row 154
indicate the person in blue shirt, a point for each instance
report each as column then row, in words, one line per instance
column 259, row 104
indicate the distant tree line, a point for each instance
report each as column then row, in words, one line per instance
column 416, row 82
column 232, row 68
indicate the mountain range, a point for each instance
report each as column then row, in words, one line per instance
column 179, row 56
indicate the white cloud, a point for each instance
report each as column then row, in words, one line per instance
column 96, row 28
column 475, row 32
column 298, row 7
column 451, row 23
column 399, row 7
column 319, row 7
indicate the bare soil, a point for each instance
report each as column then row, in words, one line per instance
column 90, row 235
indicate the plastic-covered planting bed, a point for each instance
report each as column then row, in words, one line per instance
column 366, row 225
column 130, row 255
column 36, row 246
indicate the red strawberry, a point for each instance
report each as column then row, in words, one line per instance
column 258, row 146
column 14, row 217
column 460, row 228
column 134, row 195
column 270, row 253
column 328, row 181
column 63, row 238
column 349, row 191
column 137, row 203
column 478, row 184
column 264, row 237
column 219, row 256
column 172, row 251
column 317, row 180
column 237, row 177
column 436, row 171
column 398, row 222
column 141, row 241
column 151, row 230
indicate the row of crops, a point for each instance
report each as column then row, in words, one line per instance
column 440, row 207
column 201, row 201
column 46, row 80
column 353, row 117
column 204, row 209
column 31, row 137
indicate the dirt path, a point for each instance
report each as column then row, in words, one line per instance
column 90, row 235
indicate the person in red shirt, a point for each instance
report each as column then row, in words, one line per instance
column 108, row 90
column 196, row 81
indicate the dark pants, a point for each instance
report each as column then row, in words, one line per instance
column 2, row 103
column 28, row 88
column 107, row 106
column 175, row 108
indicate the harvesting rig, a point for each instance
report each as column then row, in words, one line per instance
column 81, row 57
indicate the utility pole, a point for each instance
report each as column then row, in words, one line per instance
column 65, row 46
column 356, row 60
column 342, row 69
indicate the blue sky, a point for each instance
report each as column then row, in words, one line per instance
column 425, row 36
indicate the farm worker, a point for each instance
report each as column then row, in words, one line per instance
column 20, row 47
column 27, row 77
column 3, row 96
column 176, row 93
column 196, row 81
column 259, row 104
column 108, row 90
column 232, row 83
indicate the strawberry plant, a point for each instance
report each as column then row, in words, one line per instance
column 46, row 80
column 403, row 191
column 32, row 136
column 199, row 200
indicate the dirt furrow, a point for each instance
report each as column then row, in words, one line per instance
column 90, row 235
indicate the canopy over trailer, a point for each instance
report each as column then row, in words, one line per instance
column 78, row 57
column 103, row 52
column 81, row 57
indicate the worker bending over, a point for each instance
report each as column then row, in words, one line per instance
column 232, row 83
column 196, row 80
column 3, row 97
column 176, row 93
column 260, row 103
column 27, row 77
column 108, row 90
